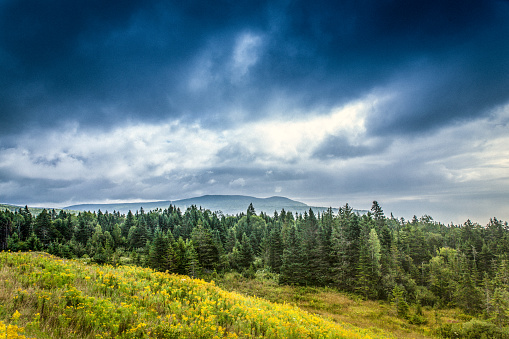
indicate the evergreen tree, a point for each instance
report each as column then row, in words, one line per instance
column 500, row 306
column 326, row 250
column 231, row 238
column 33, row 242
column 234, row 257
column 161, row 255
column 387, row 262
column 192, row 263
column 250, row 211
column 138, row 235
column 292, row 268
column 108, row 246
column 467, row 295
column 374, row 249
column 275, row 249
column 85, row 227
column 399, row 302
column 368, row 280
column 129, row 223
column 311, row 248
column 5, row 229
column 43, row 227
column 378, row 216
column 100, row 255
column 206, row 248
column 180, row 256
column 364, row 284
column 443, row 277
column 345, row 245
column 246, row 252
column 26, row 226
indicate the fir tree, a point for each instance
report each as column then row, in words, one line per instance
column 275, row 249
column 26, row 226
column 206, row 248
column 246, row 252
column 43, row 227
column 292, row 268
column 399, row 302
column 192, row 263
column 161, row 255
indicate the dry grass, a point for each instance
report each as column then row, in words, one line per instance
column 379, row 317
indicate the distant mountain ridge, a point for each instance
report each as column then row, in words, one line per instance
column 35, row 211
column 228, row 204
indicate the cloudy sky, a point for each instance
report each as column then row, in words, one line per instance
column 403, row 102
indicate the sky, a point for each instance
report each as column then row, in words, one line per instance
column 324, row 102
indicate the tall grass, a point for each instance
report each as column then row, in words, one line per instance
column 55, row 298
column 344, row 308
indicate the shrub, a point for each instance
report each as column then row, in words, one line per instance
column 474, row 329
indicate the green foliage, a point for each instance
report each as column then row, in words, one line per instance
column 418, row 318
column 161, row 254
column 246, row 255
column 399, row 302
column 206, row 247
column 292, row 268
column 474, row 329
column 192, row 264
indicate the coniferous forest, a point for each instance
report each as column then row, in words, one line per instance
column 411, row 263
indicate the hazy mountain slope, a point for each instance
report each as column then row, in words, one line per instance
column 33, row 210
column 228, row 204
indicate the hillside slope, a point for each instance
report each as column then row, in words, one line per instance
column 55, row 298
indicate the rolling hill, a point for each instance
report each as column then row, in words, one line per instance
column 228, row 204
column 33, row 210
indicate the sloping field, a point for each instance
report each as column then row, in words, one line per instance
column 54, row 298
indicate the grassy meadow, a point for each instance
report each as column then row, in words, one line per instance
column 376, row 316
column 42, row 296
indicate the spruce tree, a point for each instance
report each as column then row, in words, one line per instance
column 192, row 263
column 314, row 260
column 138, row 235
column 399, row 302
column 128, row 224
column 180, row 256
column 378, row 216
column 246, row 252
column 345, row 246
column 44, row 227
column 292, row 268
column 275, row 249
column 5, row 230
column 85, row 227
column 206, row 248
column 161, row 256
column 26, row 227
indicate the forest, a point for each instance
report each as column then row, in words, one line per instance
column 411, row 263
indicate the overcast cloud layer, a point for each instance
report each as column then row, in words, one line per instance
column 404, row 102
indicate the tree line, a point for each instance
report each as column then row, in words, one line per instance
column 419, row 261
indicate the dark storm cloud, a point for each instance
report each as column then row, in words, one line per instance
column 101, row 62
column 93, row 60
column 466, row 84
